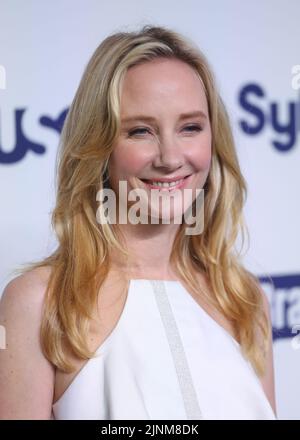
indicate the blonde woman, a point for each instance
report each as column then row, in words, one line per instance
column 141, row 320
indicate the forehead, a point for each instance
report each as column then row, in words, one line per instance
column 162, row 80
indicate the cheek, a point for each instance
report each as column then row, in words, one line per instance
column 205, row 158
column 200, row 156
column 127, row 160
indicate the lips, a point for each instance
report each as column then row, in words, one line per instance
column 182, row 183
column 165, row 179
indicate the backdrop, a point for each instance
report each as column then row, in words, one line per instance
column 253, row 49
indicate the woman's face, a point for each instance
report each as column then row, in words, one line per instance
column 156, row 140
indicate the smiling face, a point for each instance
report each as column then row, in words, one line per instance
column 165, row 132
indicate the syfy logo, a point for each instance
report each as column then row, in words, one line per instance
column 284, row 296
column 284, row 119
column 252, row 99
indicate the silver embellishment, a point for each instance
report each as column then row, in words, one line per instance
column 187, row 388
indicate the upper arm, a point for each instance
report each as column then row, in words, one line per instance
column 268, row 381
column 26, row 376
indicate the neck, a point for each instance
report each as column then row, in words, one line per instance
column 149, row 248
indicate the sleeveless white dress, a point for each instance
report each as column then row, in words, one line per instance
column 166, row 359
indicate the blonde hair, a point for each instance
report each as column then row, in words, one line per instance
column 82, row 261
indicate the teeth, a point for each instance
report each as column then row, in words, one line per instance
column 166, row 184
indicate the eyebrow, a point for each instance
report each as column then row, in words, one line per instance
column 151, row 119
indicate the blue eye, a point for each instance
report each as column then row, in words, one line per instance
column 137, row 131
column 193, row 128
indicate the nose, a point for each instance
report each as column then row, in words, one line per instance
column 169, row 154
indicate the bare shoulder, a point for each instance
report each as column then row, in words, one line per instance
column 35, row 278
column 23, row 297
column 26, row 376
column 268, row 380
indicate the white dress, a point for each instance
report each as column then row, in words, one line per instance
column 166, row 359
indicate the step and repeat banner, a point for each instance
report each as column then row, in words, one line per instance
column 254, row 50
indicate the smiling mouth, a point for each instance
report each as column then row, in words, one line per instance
column 166, row 186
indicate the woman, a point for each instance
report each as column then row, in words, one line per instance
column 141, row 320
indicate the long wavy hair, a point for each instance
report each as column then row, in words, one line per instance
column 82, row 259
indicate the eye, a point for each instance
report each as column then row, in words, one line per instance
column 194, row 127
column 138, row 131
